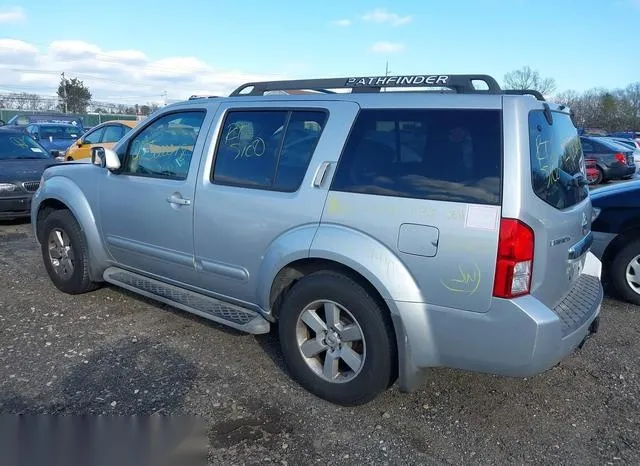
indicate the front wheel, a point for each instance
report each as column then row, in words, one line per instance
column 624, row 272
column 65, row 253
column 337, row 340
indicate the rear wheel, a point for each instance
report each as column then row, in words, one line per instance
column 624, row 272
column 599, row 177
column 337, row 340
column 65, row 253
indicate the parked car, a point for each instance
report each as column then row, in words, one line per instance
column 21, row 121
column 613, row 161
column 632, row 143
column 616, row 243
column 298, row 211
column 105, row 134
column 22, row 162
column 54, row 136
column 635, row 135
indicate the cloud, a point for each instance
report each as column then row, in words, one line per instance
column 341, row 22
column 12, row 15
column 387, row 47
column 381, row 16
column 118, row 76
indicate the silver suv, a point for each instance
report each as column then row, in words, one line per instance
column 383, row 233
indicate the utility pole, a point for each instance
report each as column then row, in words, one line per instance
column 64, row 91
column 165, row 98
column 386, row 73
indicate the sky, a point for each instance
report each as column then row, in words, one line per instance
column 134, row 51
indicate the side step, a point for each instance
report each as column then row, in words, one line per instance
column 213, row 309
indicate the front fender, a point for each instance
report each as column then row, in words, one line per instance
column 63, row 190
column 370, row 258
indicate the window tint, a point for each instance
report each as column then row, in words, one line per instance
column 267, row 148
column 165, row 147
column 94, row 137
column 587, row 147
column 451, row 155
column 556, row 158
column 112, row 133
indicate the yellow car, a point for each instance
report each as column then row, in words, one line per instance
column 105, row 134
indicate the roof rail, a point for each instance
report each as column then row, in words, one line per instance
column 537, row 94
column 194, row 97
column 461, row 83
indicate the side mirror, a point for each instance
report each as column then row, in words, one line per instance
column 35, row 136
column 54, row 153
column 79, row 143
column 105, row 158
column 2, row 123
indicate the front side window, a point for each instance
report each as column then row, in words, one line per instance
column 112, row 133
column 557, row 160
column 164, row 148
column 94, row 137
column 267, row 148
column 437, row 154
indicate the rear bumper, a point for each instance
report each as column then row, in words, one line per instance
column 15, row 207
column 617, row 171
column 518, row 338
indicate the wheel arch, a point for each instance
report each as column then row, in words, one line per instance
column 60, row 193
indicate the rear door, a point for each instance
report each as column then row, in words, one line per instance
column 555, row 203
column 258, row 185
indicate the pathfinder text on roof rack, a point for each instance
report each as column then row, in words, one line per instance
column 398, row 80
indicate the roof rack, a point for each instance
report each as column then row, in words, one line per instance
column 537, row 94
column 194, row 97
column 462, row 84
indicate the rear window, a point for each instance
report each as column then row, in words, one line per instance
column 615, row 146
column 450, row 155
column 556, row 159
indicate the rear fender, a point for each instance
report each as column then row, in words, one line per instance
column 393, row 281
column 370, row 258
column 66, row 192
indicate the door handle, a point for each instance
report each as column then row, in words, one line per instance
column 176, row 199
column 320, row 174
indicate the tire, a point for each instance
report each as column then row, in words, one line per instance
column 61, row 227
column 622, row 261
column 358, row 382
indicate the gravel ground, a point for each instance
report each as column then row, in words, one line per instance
column 112, row 352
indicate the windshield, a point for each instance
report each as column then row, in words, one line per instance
column 20, row 146
column 59, row 132
column 557, row 161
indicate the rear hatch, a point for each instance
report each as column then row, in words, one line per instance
column 560, row 211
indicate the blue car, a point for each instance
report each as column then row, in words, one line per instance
column 54, row 136
column 21, row 121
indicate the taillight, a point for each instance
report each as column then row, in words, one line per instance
column 621, row 158
column 514, row 264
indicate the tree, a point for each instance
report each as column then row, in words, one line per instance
column 526, row 78
column 74, row 94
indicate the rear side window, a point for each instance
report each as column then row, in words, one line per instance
column 556, row 160
column 269, row 149
column 450, row 155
